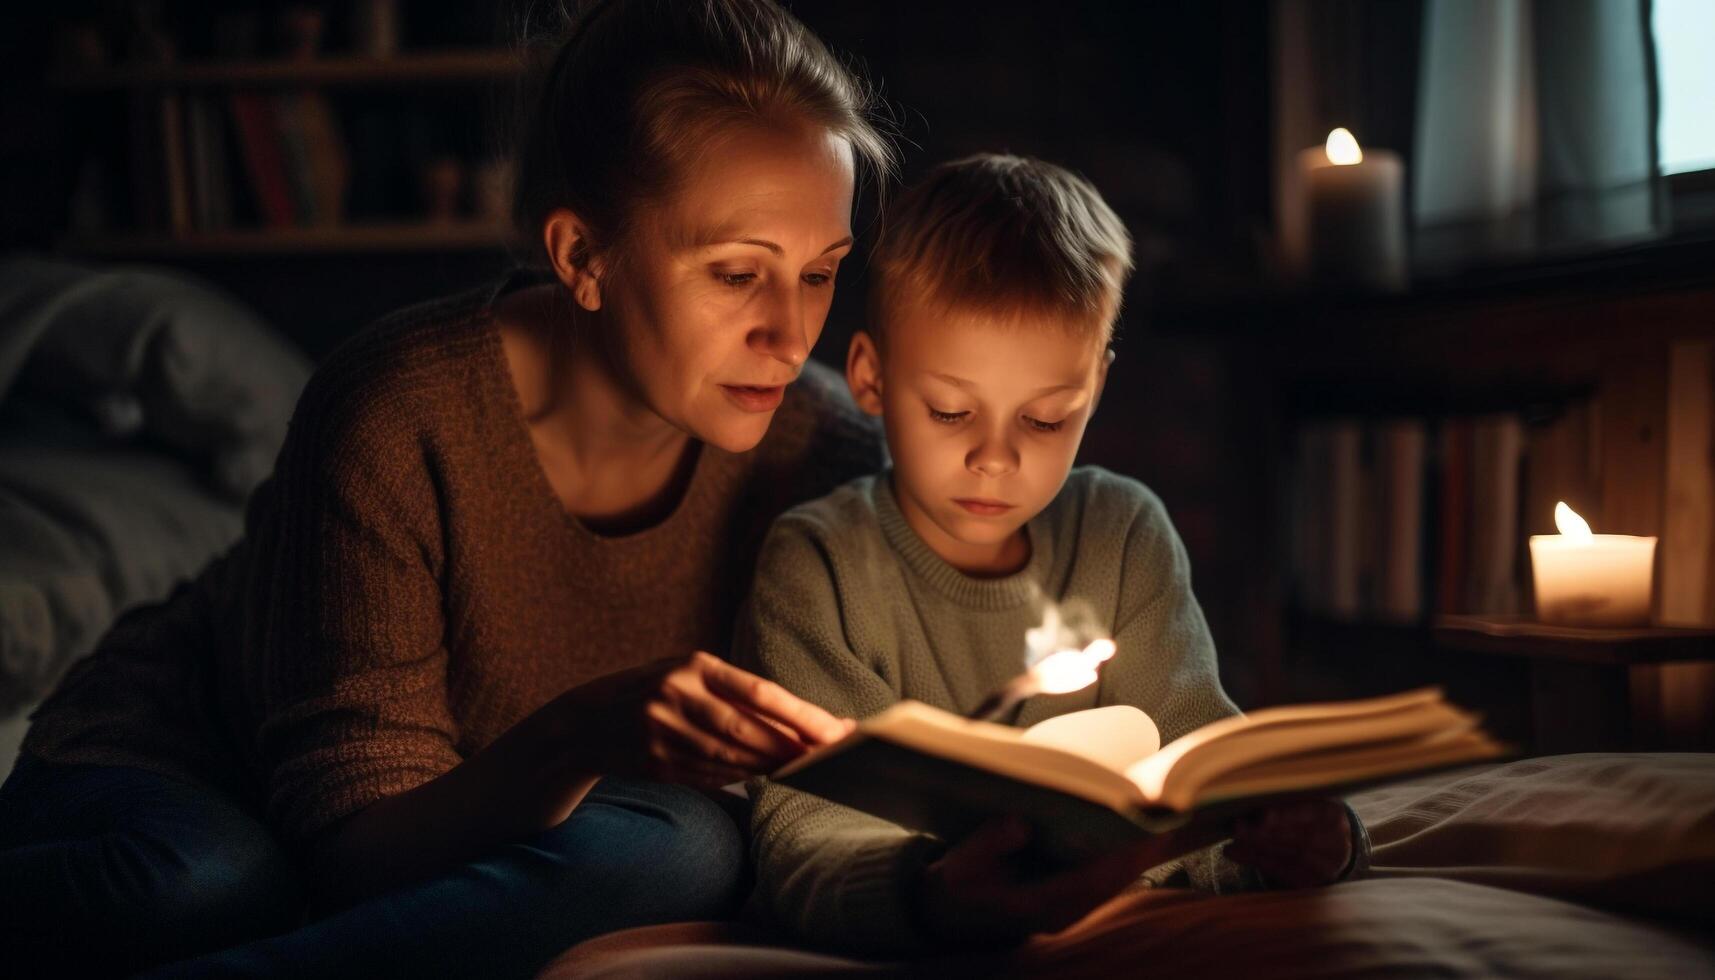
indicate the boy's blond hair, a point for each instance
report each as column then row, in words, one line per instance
column 1007, row 236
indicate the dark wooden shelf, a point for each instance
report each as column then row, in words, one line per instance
column 1522, row 637
column 394, row 237
column 1297, row 320
column 426, row 67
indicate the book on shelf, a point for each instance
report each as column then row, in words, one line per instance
column 264, row 157
column 1396, row 519
column 1091, row 781
column 176, row 170
column 1492, row 579
column 1400, row 465
column 1452, row 526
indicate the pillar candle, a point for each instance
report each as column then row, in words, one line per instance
column 1354, row 210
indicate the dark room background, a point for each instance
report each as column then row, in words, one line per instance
column 1229, row 379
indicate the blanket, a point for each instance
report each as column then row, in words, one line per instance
column 1596, row 866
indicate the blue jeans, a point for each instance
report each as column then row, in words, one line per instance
column 108, row 870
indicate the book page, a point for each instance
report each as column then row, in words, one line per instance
column 1351, row 765
column 1174, row 775
column 1115, row 736
column 1000, row 749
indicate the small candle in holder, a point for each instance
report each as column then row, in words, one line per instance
column 1585, row 579
column 1354, row 214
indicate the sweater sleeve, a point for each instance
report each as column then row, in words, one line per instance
column 350, row 685
column 836, row 876
column 1166, row 661
column 1173, row 675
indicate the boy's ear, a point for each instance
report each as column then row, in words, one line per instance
column 863, row 372
column 572, row 252
column 1102, row 378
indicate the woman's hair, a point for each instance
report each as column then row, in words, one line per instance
column 1002, row 236
column 638, row 87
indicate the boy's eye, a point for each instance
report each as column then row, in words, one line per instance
column 736, row 278
column 947, row 417
column 1041, row 426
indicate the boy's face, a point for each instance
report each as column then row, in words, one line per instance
column 983, row 420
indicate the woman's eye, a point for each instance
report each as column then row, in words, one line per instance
column 947, row 417
column 736, row 278
column 1041, row 426
column 818, row 278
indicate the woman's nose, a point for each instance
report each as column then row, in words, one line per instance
column 783, row 334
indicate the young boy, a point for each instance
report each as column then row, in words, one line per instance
column 995, row 290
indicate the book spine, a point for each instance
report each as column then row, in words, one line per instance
column 147, row 207
column 1402, row 556
column 1497, row 457
column 198, row 138
column 1345, row 510
column 1455, row 515
column 329, row 166
column 226, row 159
column 295, row 154
column 258, row 136
column 176, row 174
column 1372, row 503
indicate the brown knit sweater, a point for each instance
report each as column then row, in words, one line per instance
column 409, row 586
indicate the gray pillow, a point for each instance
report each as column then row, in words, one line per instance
column 157, row 352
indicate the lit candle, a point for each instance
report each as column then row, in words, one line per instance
column 1354, row 214
column 1585, row 579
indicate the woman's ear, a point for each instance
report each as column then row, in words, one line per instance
column 572, row 252
column 863, row 372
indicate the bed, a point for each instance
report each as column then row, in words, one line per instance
column 1594, row 865
column 138, row 409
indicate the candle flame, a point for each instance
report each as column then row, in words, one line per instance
column 1072, row 670
column 1571, row 525
column 1342, row 148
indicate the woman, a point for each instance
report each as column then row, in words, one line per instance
column 431, row 675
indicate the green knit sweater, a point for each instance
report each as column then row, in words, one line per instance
column 853, row 612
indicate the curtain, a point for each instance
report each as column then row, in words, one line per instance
column 1528, row 126
column 1535, row 127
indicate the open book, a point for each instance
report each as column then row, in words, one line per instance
column 1091, row 780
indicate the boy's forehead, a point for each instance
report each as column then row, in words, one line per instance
column 1020, row 354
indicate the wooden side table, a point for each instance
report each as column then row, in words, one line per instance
column 1647, row 688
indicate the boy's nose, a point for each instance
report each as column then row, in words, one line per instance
column 992, row 458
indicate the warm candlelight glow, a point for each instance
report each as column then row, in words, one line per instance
column 1342, row 148
column 1060, row 656
column 1588, row 579
column 1072, row 670
column 1575, row 528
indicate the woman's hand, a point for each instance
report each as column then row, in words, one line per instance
column 974, row 895
column 1297, row 844
column 696, row 720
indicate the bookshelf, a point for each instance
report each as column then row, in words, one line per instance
column 317, row 155
column 1522, row 636
column 401, row 237
column 421, row 68
column 1626, row 343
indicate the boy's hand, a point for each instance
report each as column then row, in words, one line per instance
column 1296, row 844
column 974, row 895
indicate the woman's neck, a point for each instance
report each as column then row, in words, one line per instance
column 610, row 459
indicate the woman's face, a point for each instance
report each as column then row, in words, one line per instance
column 723, row 288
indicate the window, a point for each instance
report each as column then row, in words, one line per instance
column 1685, row 78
